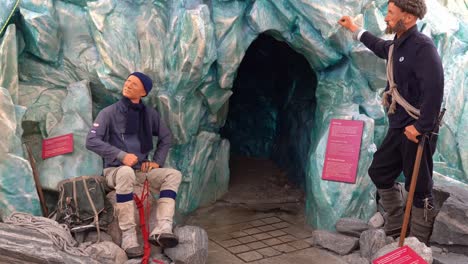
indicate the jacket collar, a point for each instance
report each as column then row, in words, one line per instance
column 122, row 107
column 409, row 32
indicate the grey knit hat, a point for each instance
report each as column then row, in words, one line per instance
column 414, row 7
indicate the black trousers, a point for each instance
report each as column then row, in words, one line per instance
column 397, row 154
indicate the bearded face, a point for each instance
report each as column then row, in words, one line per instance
column 398, row 27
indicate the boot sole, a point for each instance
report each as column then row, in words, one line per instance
column 130, row 256
column 164, row 241
column 134, row 255
column 393, row 233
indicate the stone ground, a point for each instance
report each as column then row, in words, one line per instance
column 260, row 220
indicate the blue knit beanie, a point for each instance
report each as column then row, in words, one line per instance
column 145, row 80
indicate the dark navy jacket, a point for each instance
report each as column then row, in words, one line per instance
column 106, row 136
column 418, row 74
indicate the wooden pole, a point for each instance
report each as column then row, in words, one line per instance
column 414, row 180
column 45, row 211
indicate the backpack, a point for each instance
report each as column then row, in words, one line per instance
column 82, row 204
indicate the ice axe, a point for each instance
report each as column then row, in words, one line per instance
column 45, row 211
column 414, row 178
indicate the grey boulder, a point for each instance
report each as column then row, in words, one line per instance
column 377, row 220
column 371, row 241
column 351, row 226
column 451, row 224
column 337, row 243
column 107, row 253
column 449, row 258
column 355, row 258
column 192, row 248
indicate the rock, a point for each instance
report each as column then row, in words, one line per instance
column 437, row 250
column 420, row 248
column 23, row 245
column 192, row 248
column 107, row 253
column 355, row 258
column 453, row 248
column 389, row 240
column 351, row 226
column 337, row 243
column 371, row 241
column 155, row 254
column 377, row 220
column 451, row 224
column 449, row 258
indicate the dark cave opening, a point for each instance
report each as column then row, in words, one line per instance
column 271, row 113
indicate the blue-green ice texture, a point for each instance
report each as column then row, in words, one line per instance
column 63, row 61
column 17, row 189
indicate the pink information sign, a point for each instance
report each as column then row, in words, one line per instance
column 342, row 154
column 55, row 146
column 402, row 255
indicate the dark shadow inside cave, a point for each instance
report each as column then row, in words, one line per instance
column 270, row 120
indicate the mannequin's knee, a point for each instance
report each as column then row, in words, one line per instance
column 379, row 180
column 125, row 180
column 173, row 180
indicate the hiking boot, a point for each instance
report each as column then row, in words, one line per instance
column 164, row 240
column 134, row 252
column 162, row 234
column 126, row 216
column 130, row 244
column 392, row 202
column 422, row 222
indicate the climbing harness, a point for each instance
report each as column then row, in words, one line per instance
column 141, row 212
column 393, row 92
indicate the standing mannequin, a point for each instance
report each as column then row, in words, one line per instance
column 415, row 72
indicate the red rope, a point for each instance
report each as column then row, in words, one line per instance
column 141, row 211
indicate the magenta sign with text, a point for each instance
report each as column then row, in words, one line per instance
column 55, row 146
column 342, row 154
column 402, row 255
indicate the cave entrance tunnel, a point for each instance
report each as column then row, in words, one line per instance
column 270, row 121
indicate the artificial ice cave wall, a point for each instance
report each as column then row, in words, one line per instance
column 62, row 61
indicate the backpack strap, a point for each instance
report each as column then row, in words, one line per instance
column 75, row 199
column 96, row 215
